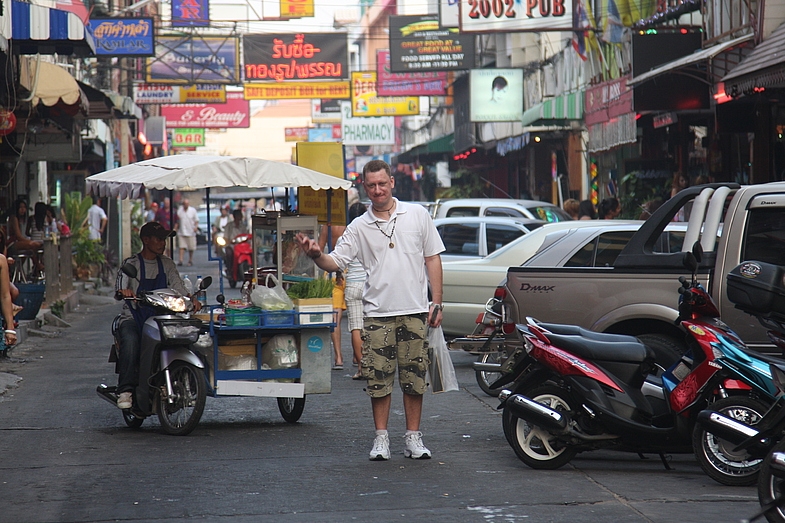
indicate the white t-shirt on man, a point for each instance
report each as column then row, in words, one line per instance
column 188, row 221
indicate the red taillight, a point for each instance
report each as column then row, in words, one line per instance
column 500, row 293
column 508, row 328
column 480, row 317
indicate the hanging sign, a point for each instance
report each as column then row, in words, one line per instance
column 187, row 137
column 194, row 59
column 234, row 114
column 304, row 56
column 122, row 36
column 504, row 16
column 418, row 43
column 297, row 90
column 403, row 84
column 190, row 13
column 157, row 94
column 367, row 130
column 366, row 102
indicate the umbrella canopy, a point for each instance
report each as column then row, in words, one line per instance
column 187, row 172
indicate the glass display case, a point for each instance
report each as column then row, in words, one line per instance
column 275, row 245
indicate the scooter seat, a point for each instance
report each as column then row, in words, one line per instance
column 594, row 350
column 574, row 330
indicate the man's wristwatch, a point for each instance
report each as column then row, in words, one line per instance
column 438, row 307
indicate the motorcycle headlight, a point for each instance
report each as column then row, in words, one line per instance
column 174, row 303
column 180, row 330
column 220, row 240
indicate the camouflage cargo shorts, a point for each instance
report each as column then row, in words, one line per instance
column 392, row 340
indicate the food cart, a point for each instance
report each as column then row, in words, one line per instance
column 282, row 354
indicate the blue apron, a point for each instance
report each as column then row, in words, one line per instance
column 142, row 312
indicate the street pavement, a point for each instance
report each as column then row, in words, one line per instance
column 66, row 455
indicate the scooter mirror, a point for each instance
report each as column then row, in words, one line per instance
column 690, row 262
column 129, row 270
column 697, row 251
column 206, row 282
column 220, row 299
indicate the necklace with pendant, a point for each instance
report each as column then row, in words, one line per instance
column 389, row 236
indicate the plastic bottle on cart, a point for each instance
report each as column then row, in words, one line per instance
column 201, row 294
column 245, row 292
column 189, row 286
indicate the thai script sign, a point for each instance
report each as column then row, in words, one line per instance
column 366, row 102
column 123, row 36
column 305, row 56
column 187, row 137
column 175, row 94
column 366, row 131
column 296, row 9
column 295, row 134
column 501, row 16
column 418, row 43
column 297, row 90
column 403, row 84
column 190, row 13
column 234, row 114
column 194, row 59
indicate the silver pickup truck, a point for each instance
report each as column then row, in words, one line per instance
column 637, row 294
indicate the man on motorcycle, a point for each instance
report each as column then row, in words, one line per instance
column 233, row 228
column 155, row 271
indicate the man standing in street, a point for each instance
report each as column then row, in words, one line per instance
column 96, row 220
column 398, row 246
column 186, row 226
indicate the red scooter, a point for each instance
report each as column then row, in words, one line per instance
column 237, row 258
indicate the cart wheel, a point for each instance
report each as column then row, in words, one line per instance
column 291, row 408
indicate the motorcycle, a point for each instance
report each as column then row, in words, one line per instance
column 238, row 258
column 219, row 243
column 586, row 391
column 172, row 383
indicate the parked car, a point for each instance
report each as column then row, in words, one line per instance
column 587, row 243
column 532, row 209
column 467, row 238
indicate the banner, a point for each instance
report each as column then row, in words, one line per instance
column 496, row 95
column 123, row 36
column 297, row 90
column 147, row 94
column 295, row 134
column 296, row 9
column 366, row 131
column 305, row 56
column 190, row 13
column 234, row 114
column 325, row 111
column 325, row 158
column 403, row 84
column 417, row 44
column 325, row 134
column 503, row 16
column 193, row 59
column 366, row 102
column 187, row 137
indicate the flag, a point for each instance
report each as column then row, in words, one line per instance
column 581, row 40
column 613, row 27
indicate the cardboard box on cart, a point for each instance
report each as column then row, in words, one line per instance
column 310, row 311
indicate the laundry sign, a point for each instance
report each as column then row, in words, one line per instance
column 366, row 130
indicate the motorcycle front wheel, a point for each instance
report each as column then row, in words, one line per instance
column 484, row 378
column 291, row 408
column 771, row 488
column 716, row 455
column 180, row 413
column 535, row 446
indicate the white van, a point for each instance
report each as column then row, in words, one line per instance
column 532, row 209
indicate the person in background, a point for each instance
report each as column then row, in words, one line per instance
column 609, row 208
column 149, row 215
column 17, row 225
column 38, row 227
column 586, row 211
column 163, row 215
column 355, row 283
column 221, row 221
column 571, row 207
column 234, row 227
column 186, row 227
column 6, row 305
column 96, row 220
column 678, row 184
column 399, row 248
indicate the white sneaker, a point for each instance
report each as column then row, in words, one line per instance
column 124, row 401
column 381, row 448
column 414, row 448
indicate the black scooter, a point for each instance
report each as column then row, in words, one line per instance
column 172, row 381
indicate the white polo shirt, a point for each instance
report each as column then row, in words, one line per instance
column 397, row 282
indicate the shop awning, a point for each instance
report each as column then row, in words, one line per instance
column 42, row 30
column 107, row 105
column 438, row 146
column 763, row 67
column 690, row 59
column 49, row 83
column 560, row 108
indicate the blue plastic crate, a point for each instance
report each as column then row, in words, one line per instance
column 278, row 317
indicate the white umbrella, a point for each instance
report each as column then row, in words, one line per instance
column 189, row 172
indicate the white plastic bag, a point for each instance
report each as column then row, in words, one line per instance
column 271, row 298
column 441, row 369
column 280, row 352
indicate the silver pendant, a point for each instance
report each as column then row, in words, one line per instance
column 392, row 245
